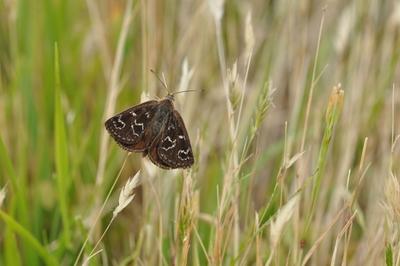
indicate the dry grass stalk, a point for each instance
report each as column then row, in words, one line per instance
column 186, row 216
column 113, row 89
column 100, row 36
column 284, row 215
column 3, row 192
column 217, row 10
column 100, row 211
column 125, row 197
column 344, row 231
column 112, row 94
column 323, row 235
column 252, row 164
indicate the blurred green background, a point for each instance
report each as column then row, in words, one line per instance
column 288, row 171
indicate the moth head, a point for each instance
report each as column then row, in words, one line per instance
column 170, row 95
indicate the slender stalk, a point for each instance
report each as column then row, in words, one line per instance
column 113, row 91
column 310, row 96
column 61, row 153
column 100, row 35
column 332, row 115
column 101, row 210
column 93, row 252
column 229, row 177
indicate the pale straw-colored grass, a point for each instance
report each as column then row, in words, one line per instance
column 288, row 169
column 3, row 193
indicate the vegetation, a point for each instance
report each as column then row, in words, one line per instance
column 294, row 128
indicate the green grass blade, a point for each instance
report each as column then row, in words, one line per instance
column 389, row 255
column 61, row 153
column 12, row 255
column 28, row 238
column 9, row 171
column 21, row 210
column 332, row 116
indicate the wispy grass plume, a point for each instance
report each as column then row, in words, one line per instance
column 125, row 197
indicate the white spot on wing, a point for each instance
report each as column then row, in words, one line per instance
column 186, row 152
column 171, row 126
column 133, row 128
column 121, row 124
column 133, row 131
column 170, row 140
column 138, row 124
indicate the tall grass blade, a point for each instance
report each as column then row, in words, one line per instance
column 61, row 153
column 21, row 209
column 389, row 255
column 28, row 238
column 332, row 115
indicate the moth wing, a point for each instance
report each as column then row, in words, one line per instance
column 128, row 127
column 153, row 155
column 172, row 149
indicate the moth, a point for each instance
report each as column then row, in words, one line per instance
column 155, row 129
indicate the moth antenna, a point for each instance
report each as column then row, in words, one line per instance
column 164, row 83
column 186, row 91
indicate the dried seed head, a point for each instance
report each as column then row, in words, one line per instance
column 232, row 74
column 283, row 216
column 126, row 195
column 344, row 30
column 186, row 76
column 392, row 194
column 249, row 35
column 217, row 9
column 335, row 103
column 234, row 93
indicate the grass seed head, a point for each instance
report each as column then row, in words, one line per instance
column 126, row 195
column 283, row 216
column 217, row 8
column 249, row 35
column 392, row 194
column 335, row 103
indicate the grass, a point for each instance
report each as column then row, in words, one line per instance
column 290, row 168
